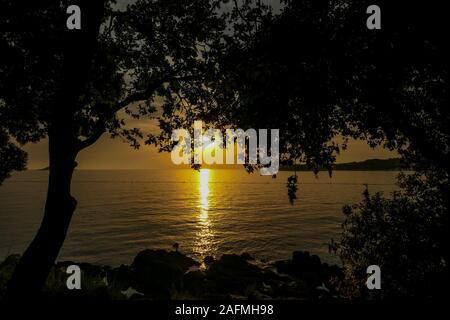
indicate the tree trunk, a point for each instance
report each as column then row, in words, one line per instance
column 32, row 271
column 79, row 48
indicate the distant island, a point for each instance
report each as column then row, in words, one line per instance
column 391, row 164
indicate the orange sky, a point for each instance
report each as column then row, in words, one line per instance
column 114, row 154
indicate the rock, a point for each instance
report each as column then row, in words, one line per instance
column 6, row 270
column 194, row 284
column 308, row 270
column 208, row 260
column 121, row 277
column 170, row 258
column 247, row 257
column 301, row 263
column 284, row 266
column 158, row 272
column 232, row 274
column 312, row 278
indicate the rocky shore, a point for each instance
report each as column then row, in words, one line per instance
column 161, row 274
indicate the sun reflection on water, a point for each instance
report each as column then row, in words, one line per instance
column 204, row 193
column 205, row 234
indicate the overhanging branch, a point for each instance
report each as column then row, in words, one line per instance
column 100, row 127
column 146, row 94
column 99, row 130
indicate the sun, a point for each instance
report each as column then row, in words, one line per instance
column 207, row 144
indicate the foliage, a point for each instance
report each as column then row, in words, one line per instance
column 73, row 86
column 11, row 157
column 160, row 274
column 405, row 235
column 317, row 73
column 314, row 71
column 155, row 48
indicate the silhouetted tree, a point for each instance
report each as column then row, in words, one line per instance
column 317, row 73
column 405, row 234
column 11, row 156
column 72, row 86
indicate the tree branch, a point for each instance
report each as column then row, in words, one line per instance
column 99, row 130
column 143, row 95
column 100, row 127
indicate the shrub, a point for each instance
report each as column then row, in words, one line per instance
column 405, row 234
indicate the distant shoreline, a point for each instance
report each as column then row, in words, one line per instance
column 392, row 164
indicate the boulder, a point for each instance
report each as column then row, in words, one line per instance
column 194, row 284
column 232, row 274
column 6, row 270
column 158, row 272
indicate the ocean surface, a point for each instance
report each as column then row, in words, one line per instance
column 211, row 212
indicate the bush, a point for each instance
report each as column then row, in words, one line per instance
column 405, row 234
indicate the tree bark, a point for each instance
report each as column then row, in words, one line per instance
column 32, row 271
column 79, row 48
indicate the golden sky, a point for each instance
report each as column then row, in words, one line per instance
column 114, row 154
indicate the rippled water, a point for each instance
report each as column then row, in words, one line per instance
column 208, row 213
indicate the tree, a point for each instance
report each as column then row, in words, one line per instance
column 405, row 235
column 388, row 86
column 317, row 73
column 73, row 86
column 11, row 156
column 314, row 71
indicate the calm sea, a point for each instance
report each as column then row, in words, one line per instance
column 208, row 213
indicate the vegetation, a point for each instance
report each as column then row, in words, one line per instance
column 241, row 68
column 406, row 235
column 159, row 274
column 393, row 164
column 388, row 87
column 73, row 86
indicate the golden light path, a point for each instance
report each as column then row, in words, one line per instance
column 204, row 193
column 205, row 234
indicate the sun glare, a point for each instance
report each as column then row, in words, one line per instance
column 208, row 145
column 205, row 235
column 204, row 193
